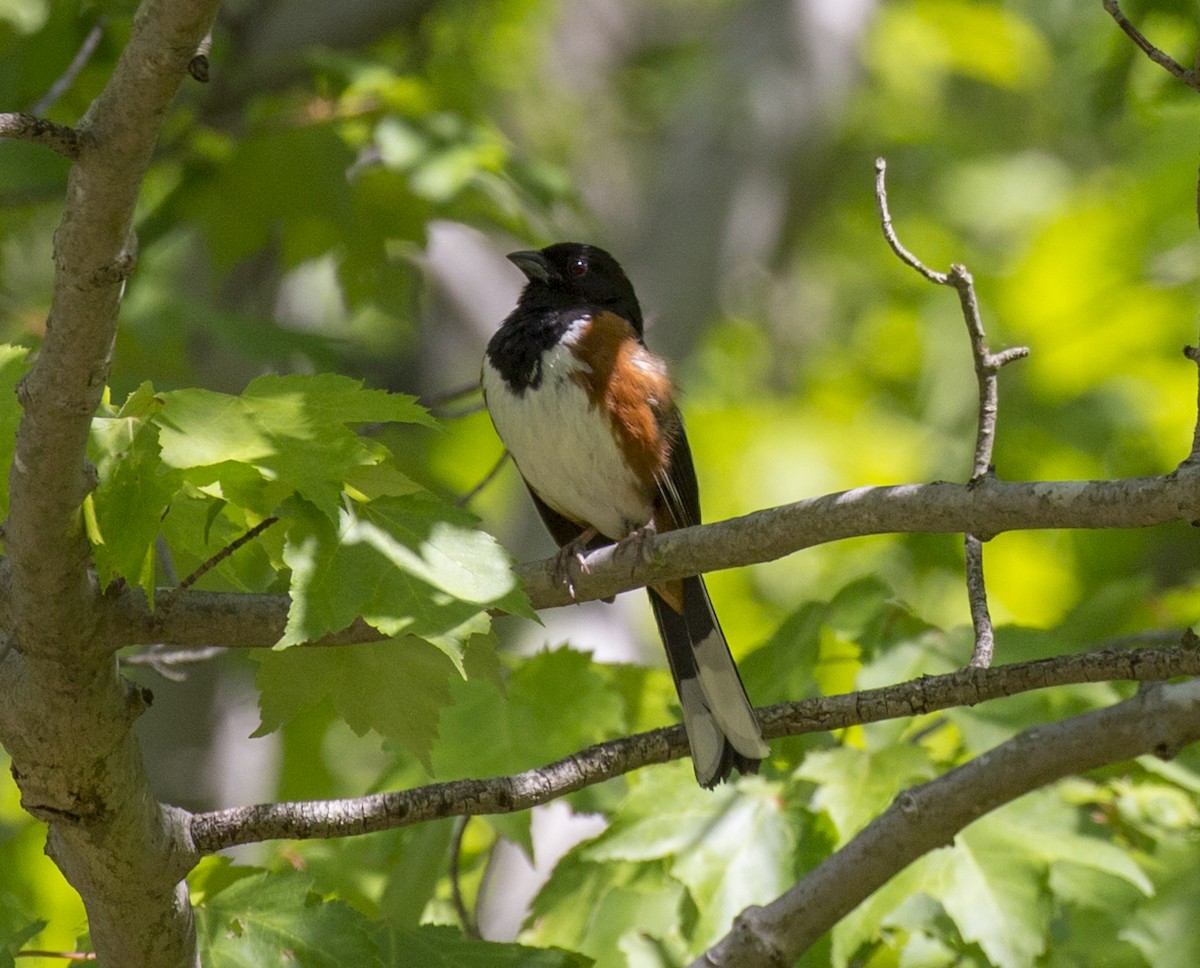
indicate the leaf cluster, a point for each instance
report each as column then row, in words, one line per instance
column 343, row 531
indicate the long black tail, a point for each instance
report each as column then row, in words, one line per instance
column 722, row 730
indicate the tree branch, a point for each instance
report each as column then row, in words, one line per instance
column 1160, row 720
column 220, row 829
column 59, row 138
column 987, row 369
column 1163, row 60
column 209, row 564
column 466, row 920
column 78, row 63
column 67, row 714
column 1189, row 77
column 199, row 619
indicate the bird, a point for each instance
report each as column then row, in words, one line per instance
column 588, row 414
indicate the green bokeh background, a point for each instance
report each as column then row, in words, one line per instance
column 341, row 194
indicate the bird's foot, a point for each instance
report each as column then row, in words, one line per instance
column 569, row 563
column 637, row 543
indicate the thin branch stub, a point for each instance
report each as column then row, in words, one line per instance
column 59, row 138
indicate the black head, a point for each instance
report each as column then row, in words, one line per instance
column 571, row 274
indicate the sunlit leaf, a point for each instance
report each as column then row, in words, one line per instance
column 276, row 919
column 404, row 564
column 293, row 430
column 732, row 847
column 855, row 785
column 134, row 490
column 592, row 907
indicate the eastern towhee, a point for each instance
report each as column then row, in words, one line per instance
column 587, row 413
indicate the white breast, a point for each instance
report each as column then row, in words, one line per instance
column 565, row 449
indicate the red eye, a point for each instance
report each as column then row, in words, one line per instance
column 577, row 268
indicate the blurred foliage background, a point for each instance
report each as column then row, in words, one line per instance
column 340, row 197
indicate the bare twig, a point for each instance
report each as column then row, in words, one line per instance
column 487, row 479
column 1189, row 77
column 59, row 138
column 167, row 563
column 211, row 832
column 60, row 955
column 889, row 231
column 469, row 925
column 1163, row 60
column 981, row 618
column 987, row 366
column 166, row 663
column 78, row 63
column 224, row 553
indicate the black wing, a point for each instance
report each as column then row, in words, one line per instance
column 679, row 488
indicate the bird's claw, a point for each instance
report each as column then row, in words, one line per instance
column 638, row 543
column 569, row 563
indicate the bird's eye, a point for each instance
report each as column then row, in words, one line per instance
column 577, row 268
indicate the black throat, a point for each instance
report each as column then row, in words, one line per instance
column 516, row 349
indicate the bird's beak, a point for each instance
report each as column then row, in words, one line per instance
column 533, row 264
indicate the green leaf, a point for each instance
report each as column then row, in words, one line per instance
column 405, row 565
column 891, row 904
column 380, row 480
column 999, row 882
column 239, row 206
column 435, row 946
column 1165, row 928
column 16, row 928
column 819, row 645
column 197, row 527
column 330, row 400
column 134, row 491
column 414, row 869
column 992, row 881
column 664, row 814
column 593, row 907
column 644, row 951
column 214, row 874
column 855, row 786
column 395, row 688
column 994, row 898
column 732, row 847
column 487, row 733
column 275, row 919
column 746, row 857
column 294, row 430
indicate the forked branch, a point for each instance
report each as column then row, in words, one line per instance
column 987, row 367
